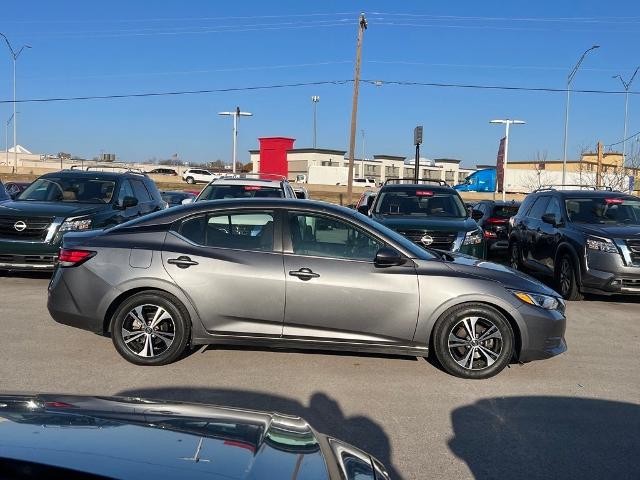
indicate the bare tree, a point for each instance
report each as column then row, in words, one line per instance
column 539, row 178
column 613, row 176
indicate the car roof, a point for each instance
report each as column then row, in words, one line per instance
column 415, row 186
column 501, row 203
column 94, row 174
column 247, row 181
column 585, row 193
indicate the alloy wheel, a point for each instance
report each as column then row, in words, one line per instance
column 566, row 275
column 148, row 330
column 514, row 257
column 475, row 343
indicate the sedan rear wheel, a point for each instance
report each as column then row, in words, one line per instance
column 473, row 341
column 150, row 329
column 190, row 180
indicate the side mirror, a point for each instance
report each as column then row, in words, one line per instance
column 550, row 218
column 363, row 209
column 187, row 201
column 129, row 202
column 388, row 257
column 476, row 214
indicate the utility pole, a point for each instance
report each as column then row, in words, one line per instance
column 362, row 26
column 626, row 86
column 599, row 166
column 363, row 156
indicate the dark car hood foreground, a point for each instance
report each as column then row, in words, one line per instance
column 408, row 222
column 507, row 276
column 136, row 438
column 24, row 208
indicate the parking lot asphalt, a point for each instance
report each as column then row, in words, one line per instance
column 573, row 416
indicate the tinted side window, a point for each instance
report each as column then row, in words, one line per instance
column 554, row 207
column 526, row 205
column 244, row 231
column 125, row 191
column 140, row 191
column 327, row 237
column 538, row 207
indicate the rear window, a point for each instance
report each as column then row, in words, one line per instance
column 218, row 192
column 505, row 211
column 420, row 202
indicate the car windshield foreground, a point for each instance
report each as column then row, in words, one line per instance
column 604, row 211
column 69, row 189
column 212, row 272
column 420, row 201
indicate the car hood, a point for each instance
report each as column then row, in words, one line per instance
column 132, row 437
column 510, row 278
column 408, row 222
column 610, row 231
column 24, row 208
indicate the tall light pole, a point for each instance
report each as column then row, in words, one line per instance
column 15, row 56
column 566, row 111
column 6, row 138
column 315, row 99
column 627, row 86
column 506, row 122
column 235, row 114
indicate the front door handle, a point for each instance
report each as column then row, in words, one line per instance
column 304, row 274
column 182, row 262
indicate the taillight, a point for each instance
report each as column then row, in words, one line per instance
column 496, row 221
column 73, row 258
column 490, row 234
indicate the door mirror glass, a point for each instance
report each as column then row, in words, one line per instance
column 476, row 214
column 388, row 257
column 187, row 201
column 550, row 218
column 129, row 202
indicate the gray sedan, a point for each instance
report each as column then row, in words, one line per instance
column 297, row 274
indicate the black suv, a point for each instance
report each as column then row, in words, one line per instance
column 32, row 225
column 429, row 213
column 588, row 241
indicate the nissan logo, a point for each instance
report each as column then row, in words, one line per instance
column 20, row 226
column 426, row 240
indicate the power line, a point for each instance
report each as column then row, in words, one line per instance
column 623, row 140
column 612, row 20
column 180, row 92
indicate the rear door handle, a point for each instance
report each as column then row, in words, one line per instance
column 304, row 274
column 182, row 262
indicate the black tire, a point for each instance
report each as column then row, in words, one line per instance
column 566, row 278
column 190, row 180
column 514, row 256
column 489, row 358
column 142, row 341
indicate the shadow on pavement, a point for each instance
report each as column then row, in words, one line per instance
column 35, row 275
column 323, row 413
column 548, row 437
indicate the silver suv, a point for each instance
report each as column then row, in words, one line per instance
column 248, row 185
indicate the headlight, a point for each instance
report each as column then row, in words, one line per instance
column 601, row 244
column 473, row 238
column 70, row 225
column 543, row 301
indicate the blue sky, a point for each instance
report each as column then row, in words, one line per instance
column 118, row 47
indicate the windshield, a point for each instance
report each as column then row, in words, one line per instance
column 69, row 189
column 420, row 202
column 217, row 192
column 612, row 211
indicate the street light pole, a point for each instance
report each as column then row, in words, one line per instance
column 627, row 86
column 566, row 111
column 315, row 99
column 506, row 122
column 6, row 139
column 15, row 56
column 235, row 114
column 363, row 156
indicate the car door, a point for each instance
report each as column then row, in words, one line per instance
column 533, row 231
column 335, row 292
column 547, row 239
column 229, row 264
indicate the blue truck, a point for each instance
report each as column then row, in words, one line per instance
column 479, row 181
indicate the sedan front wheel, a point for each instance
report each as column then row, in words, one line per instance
column 473, row 341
